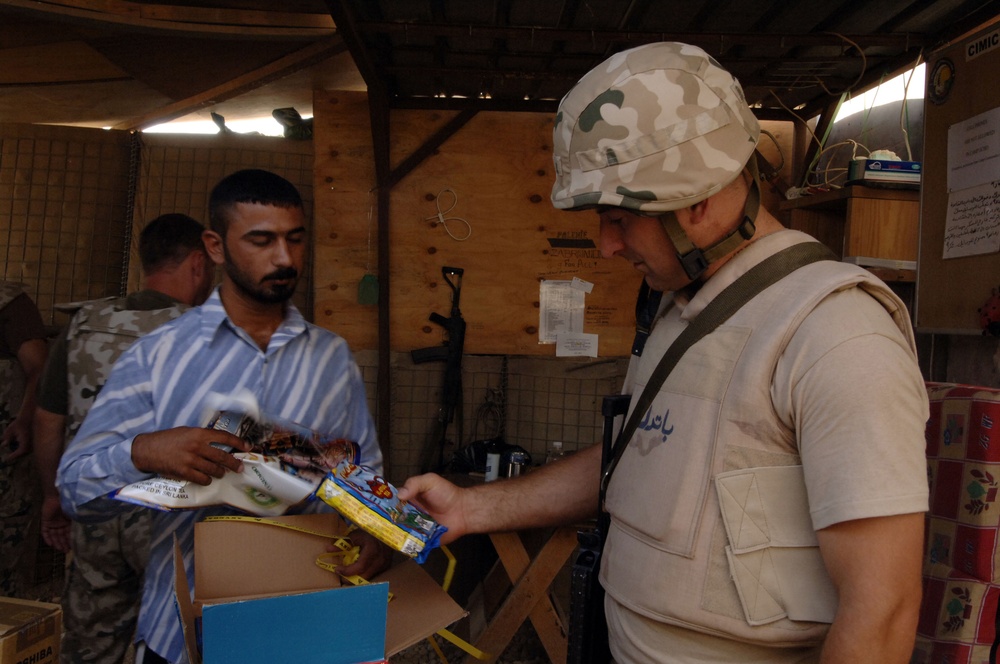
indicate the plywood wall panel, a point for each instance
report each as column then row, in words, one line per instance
column 500, row 167
column 345, row 217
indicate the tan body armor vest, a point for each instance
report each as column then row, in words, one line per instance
column 668, row 555
column 98, row 334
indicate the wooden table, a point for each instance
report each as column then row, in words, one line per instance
column 530, row 596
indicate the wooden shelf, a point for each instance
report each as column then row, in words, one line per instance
column 872, row 227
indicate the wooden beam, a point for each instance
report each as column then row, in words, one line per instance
column 428, row 31
column 45, row 64
column 347, row 26
column 189, row 20
column 429, row 146
column 306, row 57
column 378, row 109
column 381, row 128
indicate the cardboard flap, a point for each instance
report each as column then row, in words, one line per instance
column 419, row 607
column 16, row 614
column 239, row 558
column 182, row 599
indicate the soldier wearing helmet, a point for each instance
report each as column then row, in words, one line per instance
column 755, row 521
column 653, row 131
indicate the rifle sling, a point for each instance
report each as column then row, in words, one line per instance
column 725, row 304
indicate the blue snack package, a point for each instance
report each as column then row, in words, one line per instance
column 365, row 499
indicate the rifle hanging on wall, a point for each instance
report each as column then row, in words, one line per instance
column 449, row 352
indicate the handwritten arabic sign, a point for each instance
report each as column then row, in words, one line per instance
column 972, row 225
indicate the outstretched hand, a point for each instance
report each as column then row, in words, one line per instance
column 192, row 454
column 439, row 498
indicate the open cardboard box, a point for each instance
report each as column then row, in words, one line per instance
column 260, row 597
column 29, row 631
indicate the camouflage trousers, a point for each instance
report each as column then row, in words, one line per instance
column 104, row 588
column 20, row 502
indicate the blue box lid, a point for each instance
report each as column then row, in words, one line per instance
column 337, row 626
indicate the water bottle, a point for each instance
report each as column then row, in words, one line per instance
column 493, row 451
column 554, row 452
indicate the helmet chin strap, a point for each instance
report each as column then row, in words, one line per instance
column 694, row 260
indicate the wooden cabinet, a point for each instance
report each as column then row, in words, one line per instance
column 875, row 228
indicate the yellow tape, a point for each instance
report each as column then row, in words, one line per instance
column 270, row 522
column 463, row 644
column 346, row 558
column 349, row 555
column 437, row 649
column 449, row 572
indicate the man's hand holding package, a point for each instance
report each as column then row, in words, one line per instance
column 192, row 454
column 374, row 556
column 439, row 498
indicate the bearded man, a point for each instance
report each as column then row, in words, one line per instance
column 248, row 336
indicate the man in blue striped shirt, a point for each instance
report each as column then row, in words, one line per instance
column 149, row 418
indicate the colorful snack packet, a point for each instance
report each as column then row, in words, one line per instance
column 364, row 498
column 281, row 472
column 300, row 450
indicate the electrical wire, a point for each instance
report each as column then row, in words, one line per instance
column 797, row 117
column 489, row 414
column 819, row 143
column 828, row 181
column 861, row 74
column 440, row 217
column 842, row 94
column 774, row 140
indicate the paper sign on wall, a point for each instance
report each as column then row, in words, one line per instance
column 972, row 221
column 561, row 308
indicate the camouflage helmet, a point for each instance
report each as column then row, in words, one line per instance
column 654, row 128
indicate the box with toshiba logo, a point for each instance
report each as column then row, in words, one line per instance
column 29, row 631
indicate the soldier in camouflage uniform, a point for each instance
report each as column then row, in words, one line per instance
column 22, row 355
column 103, row 588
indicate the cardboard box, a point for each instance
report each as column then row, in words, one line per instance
column 29, row 631
column 260, row 597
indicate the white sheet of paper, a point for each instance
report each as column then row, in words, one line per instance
column 576, row 345
column 561, row 309
column 974, row 151
column 972, row 223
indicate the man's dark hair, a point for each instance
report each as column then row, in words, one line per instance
column 249, row 186
column 167, row 240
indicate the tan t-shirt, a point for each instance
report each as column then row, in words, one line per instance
column 642, row 640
